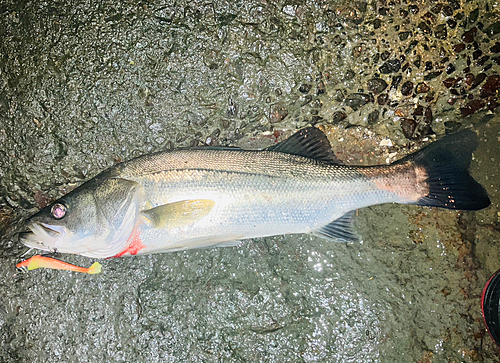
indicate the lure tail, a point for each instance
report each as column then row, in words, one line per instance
column 51, row 263
column 95, row 268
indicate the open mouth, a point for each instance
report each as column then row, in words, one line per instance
column 41, row 236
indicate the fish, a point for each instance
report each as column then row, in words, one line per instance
column 38, row 261
column 206, row 197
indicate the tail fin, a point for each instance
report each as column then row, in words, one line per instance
column 446, row 162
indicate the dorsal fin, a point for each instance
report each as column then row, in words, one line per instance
column 310, row 143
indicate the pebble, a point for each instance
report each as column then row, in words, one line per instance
column 391, row 66
column 450, row 68
column 376, row 85
column 382, row 99
column 404, row 35
column 449, row 82
column 232, row 108
column 408, row 127
column 413, row 9
column 432, row 75
column 495, row 48
column 407, row 88
column 428, row 116
column 460, row 47
column 357, row 100
column 436, row 9
column 455, row 5
column 383, row 11
column 390, row 157
column 396, row 80
column 321, row 88
column 483, row 60
column 441, row 32
column 305, row 88
column 386, row 142
column 338, row 116
column 476, row 54
column 385, row 55
column 451, row 23
column 473, row 15
column 373, row 117
column 446, row 10
column 478, row 80
column 493, row 29
column 340, row 95
column 491, row 86
column 469, row 78
column 214, row 135
column 278, row 113
column 423, row 27
column 471, row 107
column 468, row 36
column 307, row 100
column 417, row 61
column 419, row 111
column 422, row 88
column 429, row 17
column 316, row 119
column 349, row 74
column 492, row 104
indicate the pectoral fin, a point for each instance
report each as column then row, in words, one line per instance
column 178, row 214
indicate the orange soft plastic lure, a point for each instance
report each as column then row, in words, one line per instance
column 51, row 263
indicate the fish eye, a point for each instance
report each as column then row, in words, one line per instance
column 58, row 210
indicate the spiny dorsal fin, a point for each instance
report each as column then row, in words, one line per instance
column 178, row 214
column 310, row 143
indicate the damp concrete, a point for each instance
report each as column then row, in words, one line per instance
column 85, row 85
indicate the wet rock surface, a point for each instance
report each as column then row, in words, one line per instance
column 85, row 86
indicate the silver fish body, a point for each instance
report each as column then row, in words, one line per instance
column 203, row 197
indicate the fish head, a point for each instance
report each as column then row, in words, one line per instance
column 94, row 220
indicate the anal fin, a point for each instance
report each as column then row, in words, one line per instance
column 340, row 229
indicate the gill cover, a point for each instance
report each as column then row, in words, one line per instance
column 94, row 220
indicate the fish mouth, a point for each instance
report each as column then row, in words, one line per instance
column 40, row 235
